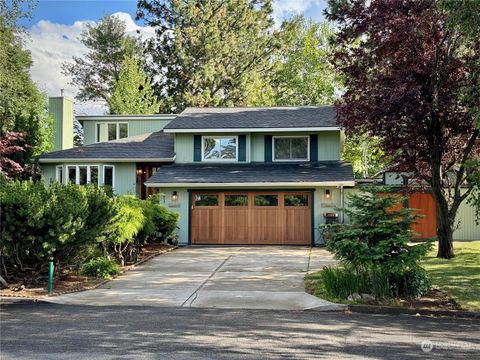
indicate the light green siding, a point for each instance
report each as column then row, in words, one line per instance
column 181, row 207
column 135, row 127
column 61, row 109
column 467, row 228
column 125, row 181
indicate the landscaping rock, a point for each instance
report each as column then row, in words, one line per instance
column 368, row 297
column 354, row 297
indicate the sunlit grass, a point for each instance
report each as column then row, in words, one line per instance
column 459, row 276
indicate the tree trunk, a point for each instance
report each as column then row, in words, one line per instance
column 444, row 226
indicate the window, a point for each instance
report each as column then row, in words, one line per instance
column 83, row 174
column 219, row 148
column 98, row 128
column 108, row 176
column 296, row 200
column 294, row 148
column 206, row 200
column 266, row 200
column 117, row 131
column 236, row 200
column 59, row 174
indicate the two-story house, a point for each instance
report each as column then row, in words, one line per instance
column 235, row 175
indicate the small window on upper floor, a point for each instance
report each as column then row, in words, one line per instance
column 220, row 148
column 117, row 131
column 291, row 148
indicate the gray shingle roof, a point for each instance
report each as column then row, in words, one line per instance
column 157, row 145
column 254, row 173
column 251, row 117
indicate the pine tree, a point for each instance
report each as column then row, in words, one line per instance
column 133, row 93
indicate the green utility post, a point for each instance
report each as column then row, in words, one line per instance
column 50, row 277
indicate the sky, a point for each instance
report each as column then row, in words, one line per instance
column 56, row 25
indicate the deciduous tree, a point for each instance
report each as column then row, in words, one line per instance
column 406, row 72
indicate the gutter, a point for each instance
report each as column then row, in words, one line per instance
column 254, row 185
column 90, row 160
column 247, row 130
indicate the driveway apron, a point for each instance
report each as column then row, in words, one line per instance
column 269, row 277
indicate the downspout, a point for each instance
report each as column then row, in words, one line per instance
column 342, row 202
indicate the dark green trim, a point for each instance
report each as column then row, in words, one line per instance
column 268, row 148
column 242, row 148
column 197, row 148
column 312, row 212
column 313, row 147
column 189, row 217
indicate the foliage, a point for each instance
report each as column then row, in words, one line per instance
column 133, row 92
column 303, row 74
column 163, row 220
column 10, row 144
column 460, row 276
column 97, row 73
column 22, row 105
column 207, row 53
column 378, row 235
column 42, row 222
column 100, row 267
column 409, row 82
column 13, row 10
column 365, row 155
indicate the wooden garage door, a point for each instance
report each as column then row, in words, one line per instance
column 268, row 218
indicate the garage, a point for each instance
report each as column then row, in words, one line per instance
column 251, row 218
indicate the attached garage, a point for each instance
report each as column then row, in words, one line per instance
column 251, row 218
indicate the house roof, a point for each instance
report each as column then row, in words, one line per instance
column 255, row 119
column 122, row 117
column 156, row 146
column 258, row 174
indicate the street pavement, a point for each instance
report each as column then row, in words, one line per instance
column 51, row 331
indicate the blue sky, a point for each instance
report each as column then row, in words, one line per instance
column 56, row 25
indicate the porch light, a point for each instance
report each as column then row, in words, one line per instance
column 327, row 194
column 174, row 197
column 139, row 172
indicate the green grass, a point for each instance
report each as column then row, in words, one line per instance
column 460, row 276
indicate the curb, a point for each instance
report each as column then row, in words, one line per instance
column 390, row 310
column 93, row 287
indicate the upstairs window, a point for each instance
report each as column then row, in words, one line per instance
column 291, row 148
column 219, row 148
column 117, row 131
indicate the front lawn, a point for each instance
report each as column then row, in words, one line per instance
column 460, row 276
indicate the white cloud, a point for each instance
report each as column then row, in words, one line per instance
column 52, row 44
column 285, row 8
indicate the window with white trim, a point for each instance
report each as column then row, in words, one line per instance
column 117, row 131
column 83, row 174
column 59, row 174
column 98, row 130
column 291, row 148
column 219, row 148
column 108, row 176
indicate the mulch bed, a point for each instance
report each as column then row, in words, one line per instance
column 73, row 282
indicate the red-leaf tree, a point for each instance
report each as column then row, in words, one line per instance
column 407, row 77
column 11, row 143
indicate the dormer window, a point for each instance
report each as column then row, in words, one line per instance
column 117, row 131
column 219, row 148
column 291, row 148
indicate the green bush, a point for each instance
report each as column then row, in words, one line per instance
column 164, row 220
column 40, row 222
column 101, row 267
column 414, row 282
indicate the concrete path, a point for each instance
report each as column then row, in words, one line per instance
column 216, row 277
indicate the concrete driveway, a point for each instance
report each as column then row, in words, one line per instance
column 216, row 277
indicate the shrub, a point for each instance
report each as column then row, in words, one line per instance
column 164, row 220
column 414, row 282
column 42, row 222
column 100, row 267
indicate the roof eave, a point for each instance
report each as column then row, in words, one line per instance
column 240, row 130
column 253, row 184
column 120, row 160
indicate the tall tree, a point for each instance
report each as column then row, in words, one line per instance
column 405, row 74
column 133, row 93
column 303, row 74
column 364, row 153
column 206, row 52
column 97, row 73
column 22, row 105
column 11, row 143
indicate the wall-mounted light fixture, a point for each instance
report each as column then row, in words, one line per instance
column 174, row 197
column 139, row 171
column 328, row 195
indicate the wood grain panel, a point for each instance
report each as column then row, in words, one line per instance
column 251, row 225
column 425, row 226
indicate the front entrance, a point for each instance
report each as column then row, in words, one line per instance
column 251, row 218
